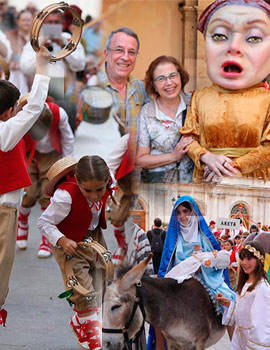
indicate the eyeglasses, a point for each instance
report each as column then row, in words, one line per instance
column 163, row 79
column 121, row 52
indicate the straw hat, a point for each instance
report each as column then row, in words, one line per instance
column 57, row 171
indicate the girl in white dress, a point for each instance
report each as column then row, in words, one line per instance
column 251, row 312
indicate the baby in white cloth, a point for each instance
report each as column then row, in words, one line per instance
column 188, row 267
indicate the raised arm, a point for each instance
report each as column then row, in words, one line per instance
column 12, row 130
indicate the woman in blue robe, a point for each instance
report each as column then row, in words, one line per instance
column 188, row 228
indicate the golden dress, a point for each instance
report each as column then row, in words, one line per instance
column 235, row 123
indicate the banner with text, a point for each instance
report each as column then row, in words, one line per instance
column 233, row 224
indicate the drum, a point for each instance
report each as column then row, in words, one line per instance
column 96, row 104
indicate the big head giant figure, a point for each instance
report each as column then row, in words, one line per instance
column 237, row 42
column 229, row 120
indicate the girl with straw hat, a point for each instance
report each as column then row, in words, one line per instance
column 76, row 212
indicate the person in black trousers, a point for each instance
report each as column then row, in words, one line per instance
column 156, row 237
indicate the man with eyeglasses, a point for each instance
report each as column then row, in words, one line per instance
column 129, row 95
column 122, row 48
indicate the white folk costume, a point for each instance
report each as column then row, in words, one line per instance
column 58, row 141
column 14, row 176
column 42, row 154
column 70, row 214
column 251, row 316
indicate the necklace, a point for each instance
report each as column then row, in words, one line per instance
column 170, row 108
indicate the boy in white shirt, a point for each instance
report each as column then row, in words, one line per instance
column 49, row 138
column 13, row 175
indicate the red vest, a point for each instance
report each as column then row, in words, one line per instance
column 13, row 174
column 54, row 132
column 76, row 224
column 55, row 136
column 126, row 166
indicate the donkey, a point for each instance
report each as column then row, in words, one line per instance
column 183, row 312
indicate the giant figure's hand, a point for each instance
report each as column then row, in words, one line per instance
column 221, row 165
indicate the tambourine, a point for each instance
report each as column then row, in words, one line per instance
column 76, row 35
column 104, row 257
column 5, row 67
column 96, row 103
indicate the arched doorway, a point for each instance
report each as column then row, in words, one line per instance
column 137, row 213
column 240, row 210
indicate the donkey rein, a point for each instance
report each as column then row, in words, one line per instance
column 138, row 302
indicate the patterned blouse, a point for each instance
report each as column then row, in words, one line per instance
column 161, row 133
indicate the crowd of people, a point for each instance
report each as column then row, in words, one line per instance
column 233, row 241
column 167, row 135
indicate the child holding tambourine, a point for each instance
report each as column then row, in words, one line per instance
column 77, row 211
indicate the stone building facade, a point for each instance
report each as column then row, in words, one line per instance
column 249, row 196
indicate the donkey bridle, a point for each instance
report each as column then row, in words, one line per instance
column 138, row 302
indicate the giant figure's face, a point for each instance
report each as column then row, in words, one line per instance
column 237, row 46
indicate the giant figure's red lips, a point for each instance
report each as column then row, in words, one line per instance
column 231, row 69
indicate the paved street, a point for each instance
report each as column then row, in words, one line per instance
column 37, row 319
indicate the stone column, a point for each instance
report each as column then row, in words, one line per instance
column 202, row 77
column 189, row 14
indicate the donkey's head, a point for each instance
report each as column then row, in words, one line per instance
column 118, row 304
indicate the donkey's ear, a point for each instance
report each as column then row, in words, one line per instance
column 134, row 275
